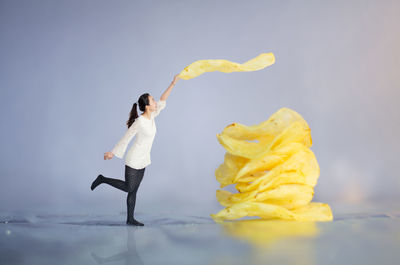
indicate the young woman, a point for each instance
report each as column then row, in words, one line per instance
column 138, row 156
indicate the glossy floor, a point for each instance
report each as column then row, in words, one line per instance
column 359, row 234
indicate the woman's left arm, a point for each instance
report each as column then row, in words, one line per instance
column 166, row 93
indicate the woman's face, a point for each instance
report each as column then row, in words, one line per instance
column 153, row 103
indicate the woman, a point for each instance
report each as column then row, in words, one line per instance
column 138, row 156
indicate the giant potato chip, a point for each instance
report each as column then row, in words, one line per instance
column 274, row 176
column 288, row 195
column 314, row 211
column 201, row 66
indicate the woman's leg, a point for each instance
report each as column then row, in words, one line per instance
column 117, row 183
column 133, row 178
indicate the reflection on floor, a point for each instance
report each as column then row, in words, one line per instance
column 359, row 234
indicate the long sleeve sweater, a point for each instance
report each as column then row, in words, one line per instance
column 138, row 156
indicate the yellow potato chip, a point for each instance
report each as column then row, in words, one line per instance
column 287, row 195
column 272, row 127
column 275, row 176
column 297, row 131
column 314, row 211
column 201, row 66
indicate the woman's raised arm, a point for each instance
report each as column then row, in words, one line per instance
column 166, row 93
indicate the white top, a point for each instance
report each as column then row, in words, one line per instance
column 138, row 155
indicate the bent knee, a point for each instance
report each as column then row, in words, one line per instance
column 132, row 189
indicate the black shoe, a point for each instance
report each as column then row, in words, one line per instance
column 96, row 182
column 134, row 222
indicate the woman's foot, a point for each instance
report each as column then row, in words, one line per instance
column 96, row 182
column 134, row 222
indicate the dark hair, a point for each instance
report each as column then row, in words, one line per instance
column 143, row 102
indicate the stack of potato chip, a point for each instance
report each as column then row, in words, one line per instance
column 273, row 169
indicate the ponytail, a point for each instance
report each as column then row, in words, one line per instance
column 132, row 115
column 143, row 102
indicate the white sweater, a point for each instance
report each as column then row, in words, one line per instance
column 138, row 156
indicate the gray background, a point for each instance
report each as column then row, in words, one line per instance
column 71, row 70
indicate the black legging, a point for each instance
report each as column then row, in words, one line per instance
column 133, row 177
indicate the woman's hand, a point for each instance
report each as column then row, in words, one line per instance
column 108, row 155
column 176, row 78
